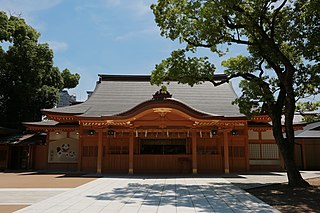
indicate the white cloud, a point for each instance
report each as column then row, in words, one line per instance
column 139, row 7
column 113, row 2
column 23, row 6
column 139, row 33
column 26, row 9
column 58, row 46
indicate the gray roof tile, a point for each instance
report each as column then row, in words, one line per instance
column 112, row 97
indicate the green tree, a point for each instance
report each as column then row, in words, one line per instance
column 282, row 65
column 28, row 79
column 307, row 110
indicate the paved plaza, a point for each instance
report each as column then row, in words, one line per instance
column 153, row 194
column 56, row 193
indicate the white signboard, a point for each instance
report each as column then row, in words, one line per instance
column 63, row 151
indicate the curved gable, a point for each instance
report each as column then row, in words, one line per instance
column 166, row 105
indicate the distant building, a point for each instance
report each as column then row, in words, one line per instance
column 89, row 94
column 66, row 99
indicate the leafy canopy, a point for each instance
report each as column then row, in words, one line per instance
column 28, row 79
column 282, row 38
column 282, row 65
column 308, row 111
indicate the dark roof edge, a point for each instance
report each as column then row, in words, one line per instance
column 49, row 111
column 104, row 77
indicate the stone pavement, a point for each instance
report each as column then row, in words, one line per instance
column 153, row 194
column 257, row 179
column 27, row 196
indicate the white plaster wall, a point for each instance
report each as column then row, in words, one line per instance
column 267, row 135
column 253, row 135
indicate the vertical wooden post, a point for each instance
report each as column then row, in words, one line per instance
column 48, row 139
column 247, row 148
column 9, row 150
column 7, row 156
column 99, row 158
column 304, row 157
column 80, row 142
column 194, row 153
column 226, row 152
column 29, row 156
column 131, row 147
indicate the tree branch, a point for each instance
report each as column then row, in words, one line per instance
column 246, row 76
column 264, row 86
column 260, row 68
column 231, row 25
column 238, row 41
column 281, row 98
column 198, row 44
column 268, row 41
column 276, row 12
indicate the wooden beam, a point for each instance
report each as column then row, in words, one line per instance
column 194, row 153
column 99, row 158
column 246, row 141
column 226, row 152
column 304, row 157
column 152, row 123
column 80, row 148
column 131, row 147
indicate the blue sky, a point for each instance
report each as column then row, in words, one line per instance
column 100, row 36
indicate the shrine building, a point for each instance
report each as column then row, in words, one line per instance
column 130, row 126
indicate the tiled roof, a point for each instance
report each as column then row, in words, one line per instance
column 42, row 123
column 116, row 94
column 23, row 139
column 6, row 131
column 309, row 131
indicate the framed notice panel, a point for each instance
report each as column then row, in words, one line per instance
column 64, row 150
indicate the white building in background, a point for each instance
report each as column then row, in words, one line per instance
column 89, row 93
column 66, row 99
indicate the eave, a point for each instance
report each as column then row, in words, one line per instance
column 42, row 127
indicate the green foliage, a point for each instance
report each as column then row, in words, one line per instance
column 281, row 37
column 28, row 79
column 282, row 66
column 307, row 110
column 69, row 80
column 190, row 70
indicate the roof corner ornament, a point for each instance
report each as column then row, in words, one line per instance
column 162, row 94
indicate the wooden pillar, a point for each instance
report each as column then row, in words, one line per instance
column 80, row 141
column 30, row 156
column 7, row 157
column 304, row 157
column 194, row 153
column 226, row 152
column 99, row 158
column 131, row 148
column 247, row 148
column 9, row 150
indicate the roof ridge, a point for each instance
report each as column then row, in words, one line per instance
column 105, row 77
column 108, row 77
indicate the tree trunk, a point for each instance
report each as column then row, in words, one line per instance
column 294, row 177
column 286, row 147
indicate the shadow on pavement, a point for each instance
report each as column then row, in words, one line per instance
column 204, row 197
